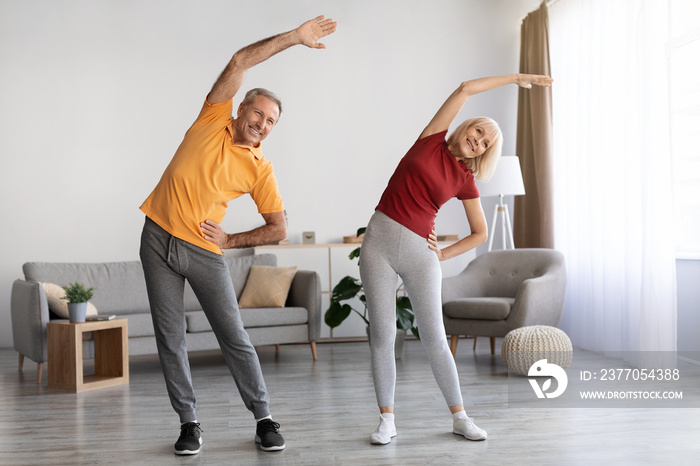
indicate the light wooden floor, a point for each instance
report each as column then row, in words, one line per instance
column 327, row 411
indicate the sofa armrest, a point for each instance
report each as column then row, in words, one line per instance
column 30, row 314
column 464, row 285
column 306, row 292
column 539, row 301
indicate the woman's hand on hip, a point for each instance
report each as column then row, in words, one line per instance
column 433, row 244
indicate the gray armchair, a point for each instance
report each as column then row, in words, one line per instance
column 503, row 290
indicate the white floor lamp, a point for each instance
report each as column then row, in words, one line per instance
column 507, row 181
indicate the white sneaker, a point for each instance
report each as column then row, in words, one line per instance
column 466, row 427
column 384, row 433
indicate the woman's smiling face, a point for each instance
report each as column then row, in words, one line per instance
column 473, row 142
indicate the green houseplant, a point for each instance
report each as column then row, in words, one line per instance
column 77, row 296
column 349, row 287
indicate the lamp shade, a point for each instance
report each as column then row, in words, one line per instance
column 507, row 180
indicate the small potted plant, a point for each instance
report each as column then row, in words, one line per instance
column 77, row 296
column 349, row 287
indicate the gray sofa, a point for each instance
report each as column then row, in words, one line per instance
column 120, row 290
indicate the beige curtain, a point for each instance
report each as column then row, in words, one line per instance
column 533, row 223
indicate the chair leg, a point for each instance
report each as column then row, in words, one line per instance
column 474, row 347
column 454, row 339
column 39, row 368
column 313, row 350
column 493, row 345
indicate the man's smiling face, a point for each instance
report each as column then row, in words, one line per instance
column 255, row 121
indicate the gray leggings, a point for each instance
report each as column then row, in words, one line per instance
column 390, row 250
column 167, row 261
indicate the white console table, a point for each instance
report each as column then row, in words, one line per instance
column 331, row 262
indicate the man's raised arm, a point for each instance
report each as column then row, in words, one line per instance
column 231, row 78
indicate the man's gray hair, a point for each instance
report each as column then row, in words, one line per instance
column 253, row 93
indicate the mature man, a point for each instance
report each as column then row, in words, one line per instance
column 219, row 160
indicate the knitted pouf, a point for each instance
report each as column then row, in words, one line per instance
column 524, row 346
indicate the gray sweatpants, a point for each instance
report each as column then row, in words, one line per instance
column 167, row 262
column 390, row 250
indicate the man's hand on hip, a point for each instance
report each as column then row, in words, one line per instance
column 274, row 230
column 214, row 233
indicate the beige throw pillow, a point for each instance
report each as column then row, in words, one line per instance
column 267, row 286
column 55, row 295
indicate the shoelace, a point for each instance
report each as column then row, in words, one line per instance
column 269, row 425
column 191, row 428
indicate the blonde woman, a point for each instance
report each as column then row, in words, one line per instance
column 400, row 241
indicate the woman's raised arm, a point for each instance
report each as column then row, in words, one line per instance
column 454, row 103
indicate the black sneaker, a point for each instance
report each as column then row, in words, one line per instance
column 267, row 435
column 190, row 440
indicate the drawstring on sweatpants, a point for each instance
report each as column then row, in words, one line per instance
column 171, row 246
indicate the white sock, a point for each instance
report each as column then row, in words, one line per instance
column 387, row 416
column 183, row 423
column 459, row 415
column 266, row 417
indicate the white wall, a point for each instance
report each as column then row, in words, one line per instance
column 96, row 95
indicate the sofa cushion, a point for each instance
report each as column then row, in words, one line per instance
column 120, row 287
column 267, row 286
column 55, row 296
column 252, row 317
column 140, row 325
column 478, row 308
column 240, row 266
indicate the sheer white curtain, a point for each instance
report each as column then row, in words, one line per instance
column 612, row 173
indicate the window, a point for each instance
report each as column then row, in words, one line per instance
column 684, row 67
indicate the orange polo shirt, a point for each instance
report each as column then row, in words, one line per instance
column 207, row 172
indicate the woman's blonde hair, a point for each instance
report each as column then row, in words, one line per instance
column 484, row 165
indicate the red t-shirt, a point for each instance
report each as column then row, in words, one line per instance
column 427, row 177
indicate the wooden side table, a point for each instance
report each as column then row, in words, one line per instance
column 65, row 351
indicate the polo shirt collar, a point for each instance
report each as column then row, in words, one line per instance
column 255, row 150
